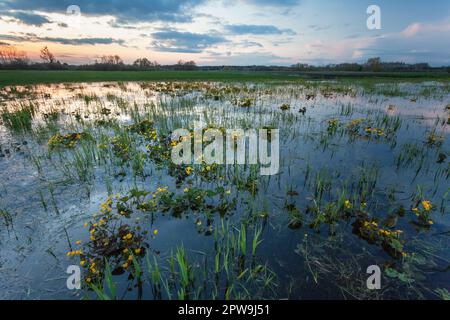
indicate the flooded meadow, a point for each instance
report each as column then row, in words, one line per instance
column 87, row 179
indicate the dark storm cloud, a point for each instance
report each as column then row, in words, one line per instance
column 187, row 42
column 26, row 17
column 257, row 29
column 124, row 11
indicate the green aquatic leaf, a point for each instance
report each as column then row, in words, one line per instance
column 403, row 277
column 443, row 293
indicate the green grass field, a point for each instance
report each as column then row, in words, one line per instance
column 24, row 77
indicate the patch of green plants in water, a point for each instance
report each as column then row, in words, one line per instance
column 69, row 140
column 118, row 247
column 20, row 120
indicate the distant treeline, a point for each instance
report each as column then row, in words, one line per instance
column 11, row 58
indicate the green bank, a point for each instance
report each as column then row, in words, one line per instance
column 25, row 77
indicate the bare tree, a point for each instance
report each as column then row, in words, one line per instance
column 144, row 63
column 111, row 59
column 47, row 56
column 9, row 55
column 374, row 64
column 188, row 65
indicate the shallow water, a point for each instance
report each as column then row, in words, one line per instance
column 49, row 194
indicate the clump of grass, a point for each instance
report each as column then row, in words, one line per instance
column 19, row 120
column 7, row 218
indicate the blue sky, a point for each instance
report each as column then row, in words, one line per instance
column 230, row 32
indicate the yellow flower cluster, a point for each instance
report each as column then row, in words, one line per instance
column 377, row 131
column 92, row 268
column 160, row 190
column 106, row 207
column 426, row 205
column 128, row 236
column 355, row 122
column 68, row 140
column 373, row 225
column 368, row 224
column 388, row 233
column 423, row 214
column 333, row 122
column 150, row 134
column 347, row 204
column 74, row 253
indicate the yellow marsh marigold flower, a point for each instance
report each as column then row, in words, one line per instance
column 78, row 242
column 426, row 205
column 347, row 204
column 186, row 190
column 430, row 222
column 125, row 265
column 82, row 262
column 160, row 190
column 128, row 236
column 137, row 251
column 188, row 170
column 155, row 232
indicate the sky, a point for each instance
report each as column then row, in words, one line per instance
column 229, row 32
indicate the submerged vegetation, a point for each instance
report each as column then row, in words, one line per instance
column 88, row 179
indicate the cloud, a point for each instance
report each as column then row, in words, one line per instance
column 187, row 42
column 114, row 24
column 124, row 11
column 419, row 42
column 274, row 3
column 257, row 29
column 317, row 27
column 245, row 58
column 82, row 41
column 26, row 17
column 60, row 40
column 249, row 44
column 412, row 29
column 422, row 28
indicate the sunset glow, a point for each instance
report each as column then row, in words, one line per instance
column 229, row 32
